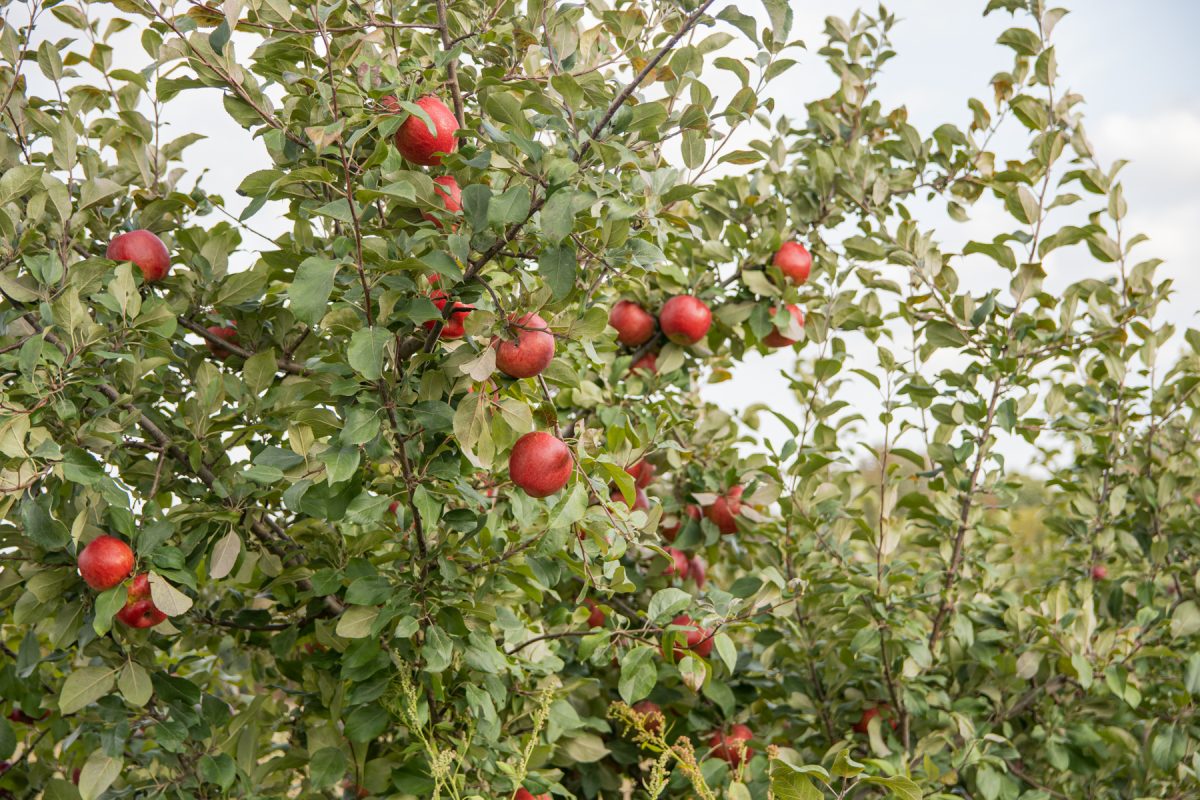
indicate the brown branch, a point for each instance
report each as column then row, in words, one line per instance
column 451, row 66
column 284, row 364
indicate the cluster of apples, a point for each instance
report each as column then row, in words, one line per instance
column 729, row 744
column 106, row 562
column 686, row 319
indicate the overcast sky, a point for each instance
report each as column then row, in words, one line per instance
column 1135, row 63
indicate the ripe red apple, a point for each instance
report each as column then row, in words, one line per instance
column 597, row 617
column 642, row 472
column 871, row 713
column 75, row 773
column 446, row 188
column 145, row 250
column 633, row 323
column 640, row 501
column 685, row 319
column 393, row 507
column 698, row 570
column 1099, row 572
column 354, row 789
column 540, row 464
column 699, row 640
column 105, row 562
column 17, row 715
column 776, row 338
column 225, row 332
column 669, row 532
column 416, row 143
column 794, row 261
column 652, row 715
column 680, row 564
column 647, row 362
column 530, row 353
column 525, row 794
column 732, row 745
column 724, row 511
column 139, row 610
column 453, row 328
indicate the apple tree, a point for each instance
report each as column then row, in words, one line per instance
column 422, row 497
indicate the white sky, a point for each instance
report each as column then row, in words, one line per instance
column 1134, row 62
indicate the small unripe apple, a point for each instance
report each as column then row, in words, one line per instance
column 416, row 143
column 672, row 530
column 685, row 319
column 139, row 610
column 699, row 640
column 640, row 501
column 1099, row 572
column 648, row 362
column 145, row 250
column 455, row 326
column 226, row 332
column 525, row 794
column 698, row 570
column 597, row 617
column 634, row 324
column 105, row 562
column 776, row 338
column 540, row 464
column 680, row 564
column 531, row 351
column 652, row 716
column 446, row 188
column 732, row 745
column 794, row 261
column 723, row 512
column 642, row 472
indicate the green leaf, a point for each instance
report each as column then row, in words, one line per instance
column 42, row 529
column 844, row 766
column 639, row 673
column 901, row 787
column 667, row 603
column 326, row 767
column 83, row 686
column 224, row 555
column 134, row 683
column 356, row 621
column 585, row 749
column 365, row 353
column 108, row 603
column 558, row 216
column 98, row 190
column 510, row 208
column 219, row 769
column 99, row 772
column 167, row 598
column 259, row 370
column 309, row 292
column 788, row 784
column 438, row 650
column 557, row 267
column 1185, row 620
column 341, row 463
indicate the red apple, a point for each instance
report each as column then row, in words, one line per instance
column 669, row 532
column 354, row 789
column 685, row 319
column 679, row 564
column 597, row 617
column 105, row 562
column 525, row 794
column 145, row 250
column 698, row 570
column 633, row 323
column 794, row 261
column 699, row 640
column 226, row 332
column 647, row 362
column 724, row 511
column 446, row 188
column 393, row 507
column 139, row 610
column 732, row 745
column 453, row 328
column 871, row 713
column 17, row 715
column 640, row 501
column 1099, row 572
column 530, row 353
column 416, row 143
column 540, row 464
column 776, row 338
column 652, row 716
column 642, row 472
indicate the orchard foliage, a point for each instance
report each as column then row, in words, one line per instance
column 309, row 454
